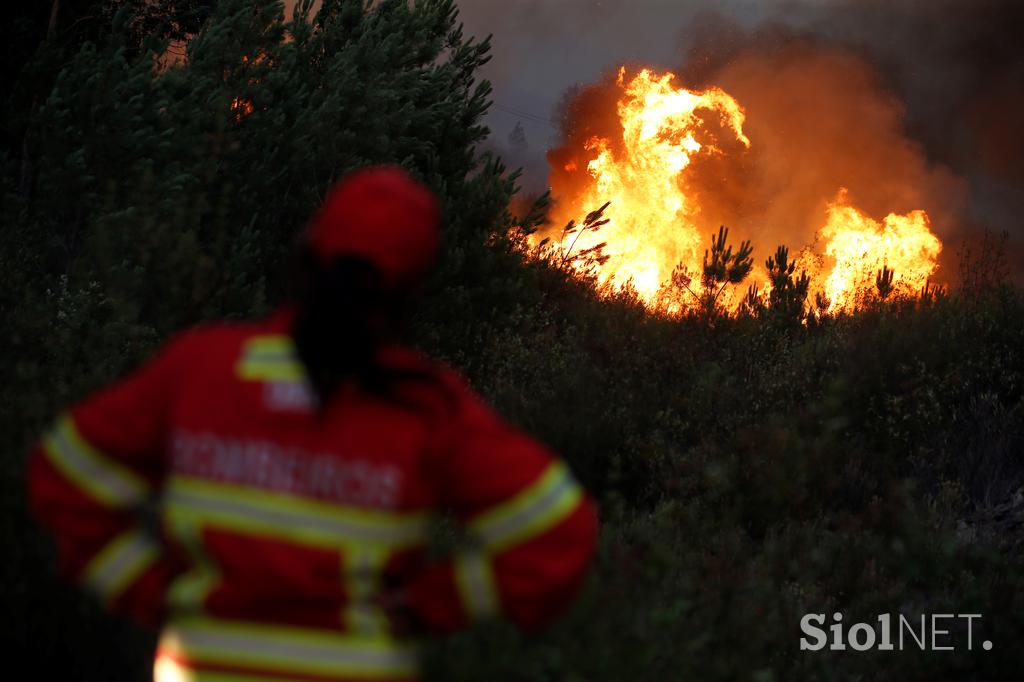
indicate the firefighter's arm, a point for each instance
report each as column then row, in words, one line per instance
column 531, row 527
column 90, row 477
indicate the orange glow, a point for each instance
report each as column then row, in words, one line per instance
column 241, row 108
column 654, row 220
column 651, row 218
column 860, row 247
column 166, row 669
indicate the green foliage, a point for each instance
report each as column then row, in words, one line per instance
column 155, row 205
column 751, row 474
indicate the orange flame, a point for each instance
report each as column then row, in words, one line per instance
column 653, row 218
column 861, row 247
column 651, row 225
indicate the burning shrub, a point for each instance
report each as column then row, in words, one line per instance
column 675, row 159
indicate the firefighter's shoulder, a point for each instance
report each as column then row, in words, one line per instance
column 217, row 342
column 440, row 389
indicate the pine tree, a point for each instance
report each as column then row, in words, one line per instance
column 517, row 139
column 884, row 282
column 789, row 291
column 721, row 267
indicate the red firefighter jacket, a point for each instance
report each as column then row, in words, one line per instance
column 279, row 523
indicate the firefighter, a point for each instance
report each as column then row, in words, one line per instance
column 296, row 464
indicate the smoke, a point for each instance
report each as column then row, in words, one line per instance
column 954, row 68
column 909, row 104
column 959, row 66
column 819, row 120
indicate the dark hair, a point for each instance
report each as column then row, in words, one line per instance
column 340, row 321
column 344, row 315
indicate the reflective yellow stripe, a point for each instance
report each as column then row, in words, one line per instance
column 120, row 562
column 270, row 343
column 474, row 579
column 95, row 473
column 287, row 650
column 541, row 506
column 188, row 591
column 362, row 568
column 270, row 358
column 259, row 511
column 271, row 371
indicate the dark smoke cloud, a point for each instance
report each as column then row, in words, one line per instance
column 542, row 48
column 953, row 68
column 956, row 67
column 819, row 121
column 959, row 66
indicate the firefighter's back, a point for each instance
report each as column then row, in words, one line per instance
column 291, row 516
column 296, row 463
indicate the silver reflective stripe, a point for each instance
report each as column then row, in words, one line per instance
column 475, row 581
column 540, row 508
column 236, row 511
column 91, row 470
column 119, row 563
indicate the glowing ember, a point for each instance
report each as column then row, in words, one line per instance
column 241, row 108
column 652, row 220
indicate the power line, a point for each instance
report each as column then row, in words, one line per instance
column 524, row 114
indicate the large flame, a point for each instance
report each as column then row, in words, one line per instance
column 650, row 228
column 654, row 215
column 861, row 247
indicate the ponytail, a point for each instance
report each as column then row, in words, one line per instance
column 343, row 317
